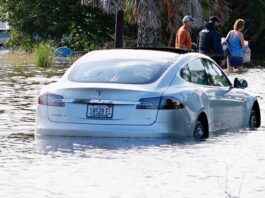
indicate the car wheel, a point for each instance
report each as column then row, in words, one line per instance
column 253, row 120
column 199, row 132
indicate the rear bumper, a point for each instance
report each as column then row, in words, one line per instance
column 46, row 127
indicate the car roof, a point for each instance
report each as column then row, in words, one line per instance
column 150, row 55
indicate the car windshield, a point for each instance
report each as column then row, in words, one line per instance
column 118, row 71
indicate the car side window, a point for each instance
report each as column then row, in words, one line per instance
column 218, row 78
column 185, row 73
column 198, row 74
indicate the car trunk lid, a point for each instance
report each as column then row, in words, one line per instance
column 99, row 105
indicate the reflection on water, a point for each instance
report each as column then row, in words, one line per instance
column 49, row 144
column 228, row 164
column 19, row 87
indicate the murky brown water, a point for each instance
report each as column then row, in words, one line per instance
column 227, row 164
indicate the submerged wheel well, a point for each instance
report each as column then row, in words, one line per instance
column 257, row 109
column 203, row 118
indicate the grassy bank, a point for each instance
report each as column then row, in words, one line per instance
column 19, row 58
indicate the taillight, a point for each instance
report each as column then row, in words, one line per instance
column 170, row 103
column 50, row 99
column 149, row 103
column 165, row 102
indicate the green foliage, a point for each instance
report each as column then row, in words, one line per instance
column 24, row 41
column 43, row 55
column 90, row 30
column 60, row 21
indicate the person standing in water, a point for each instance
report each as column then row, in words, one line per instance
column 183, row 38
column 209, row 40
column 235, row 40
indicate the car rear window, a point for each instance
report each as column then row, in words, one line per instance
column 118, row 71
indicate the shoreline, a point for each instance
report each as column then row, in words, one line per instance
column 255, row 62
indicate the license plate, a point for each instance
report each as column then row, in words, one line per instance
column 99, row 111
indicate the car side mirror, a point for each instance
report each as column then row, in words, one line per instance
column 240, row 83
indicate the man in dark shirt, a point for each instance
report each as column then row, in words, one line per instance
column 209, row 40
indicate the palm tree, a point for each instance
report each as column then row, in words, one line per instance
column 148, row 14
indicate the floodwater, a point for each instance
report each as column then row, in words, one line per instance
column 228, row 164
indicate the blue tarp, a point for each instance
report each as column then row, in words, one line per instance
column 63, row 52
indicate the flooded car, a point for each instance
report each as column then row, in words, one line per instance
column 144, row 93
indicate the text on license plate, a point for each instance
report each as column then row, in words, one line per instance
column 99, row 111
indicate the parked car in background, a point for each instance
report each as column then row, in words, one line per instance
column 144, row 93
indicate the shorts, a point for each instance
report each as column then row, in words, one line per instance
column 235, row 61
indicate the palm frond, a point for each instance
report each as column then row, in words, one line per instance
column 216, row 7
column 109, row 6
column 149, row 14
column 94, row 3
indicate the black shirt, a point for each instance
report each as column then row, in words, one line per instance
column 209, row 41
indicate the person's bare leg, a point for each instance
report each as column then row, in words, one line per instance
column 229, row 67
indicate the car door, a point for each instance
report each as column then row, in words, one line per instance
column 214, row 95
column 232, row 102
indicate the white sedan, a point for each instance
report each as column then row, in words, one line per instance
column 144, row 93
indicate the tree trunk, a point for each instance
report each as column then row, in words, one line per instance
column 149, row 24
column 147, row 37
column 119, row 29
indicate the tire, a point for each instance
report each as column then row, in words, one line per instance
column 253, row 122
column 199, row 132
